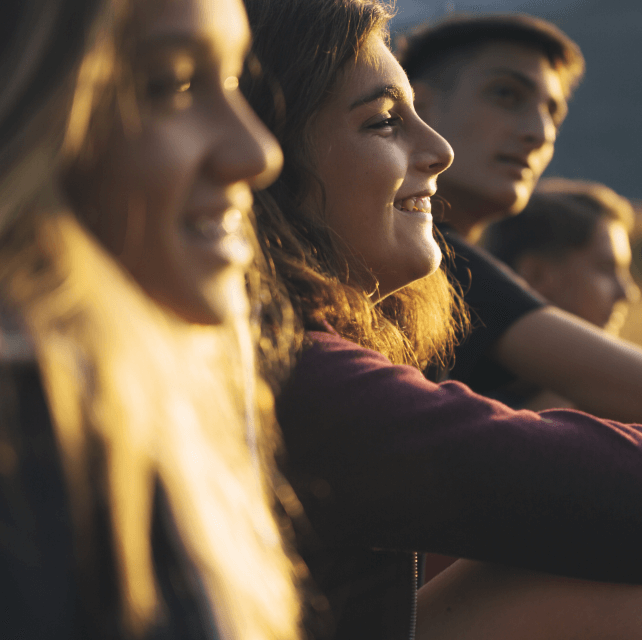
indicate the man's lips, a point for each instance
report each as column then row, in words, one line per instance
column 519, row 162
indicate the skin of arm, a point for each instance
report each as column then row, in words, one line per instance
column 556, row 350
column 480, row 601
column 548, row 400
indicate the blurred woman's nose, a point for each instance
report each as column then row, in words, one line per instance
column 248, row 151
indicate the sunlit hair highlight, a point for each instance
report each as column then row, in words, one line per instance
column 162, row 399
column 301, row 47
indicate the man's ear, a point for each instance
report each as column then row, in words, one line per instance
column 539, row 272
column 424, row 100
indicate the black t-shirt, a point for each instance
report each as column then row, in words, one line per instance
column 497, row 298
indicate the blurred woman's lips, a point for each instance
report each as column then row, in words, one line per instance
column 219, row 236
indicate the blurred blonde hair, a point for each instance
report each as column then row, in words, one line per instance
column 153, row 397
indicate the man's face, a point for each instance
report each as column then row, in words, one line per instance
column 501, row 118
column 594, row 282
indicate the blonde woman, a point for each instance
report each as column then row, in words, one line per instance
column 135, row 458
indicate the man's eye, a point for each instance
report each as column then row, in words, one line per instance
column 505, row 95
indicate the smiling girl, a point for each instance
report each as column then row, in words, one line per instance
column 136, row 475
column 385, row 462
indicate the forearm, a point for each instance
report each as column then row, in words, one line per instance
column 380, row 457
column 480, row 601
column 555, row 350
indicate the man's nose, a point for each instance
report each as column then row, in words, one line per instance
column 538, row 127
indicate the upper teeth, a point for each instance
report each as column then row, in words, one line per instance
column 213, row 228
column 232, row 220
column 415, row 204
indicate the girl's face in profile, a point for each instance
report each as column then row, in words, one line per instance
column 172, row 195
column 379, row 164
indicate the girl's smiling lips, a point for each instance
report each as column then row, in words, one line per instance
column 418, row 205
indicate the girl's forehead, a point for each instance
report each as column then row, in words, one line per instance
column 374, row 70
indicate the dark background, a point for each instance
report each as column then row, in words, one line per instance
column 602, row 136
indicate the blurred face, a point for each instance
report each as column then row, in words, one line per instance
column 379, row 163
column 502, row 118
column 170, row 195
column 593, row 282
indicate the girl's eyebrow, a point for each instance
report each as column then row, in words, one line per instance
column 392, row 91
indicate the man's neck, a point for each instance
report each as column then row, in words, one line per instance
column 467, row 214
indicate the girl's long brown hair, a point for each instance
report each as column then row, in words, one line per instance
column 300, row 47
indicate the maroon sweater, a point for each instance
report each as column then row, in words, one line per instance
column 387, row 463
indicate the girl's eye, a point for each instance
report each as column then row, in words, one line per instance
column 387, row 123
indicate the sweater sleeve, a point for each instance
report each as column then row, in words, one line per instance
column 381, row 457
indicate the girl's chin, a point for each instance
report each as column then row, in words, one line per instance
column 432, row 258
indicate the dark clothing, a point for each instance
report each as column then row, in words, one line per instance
column 497, row 298
column 386, row 463
column 41, row 595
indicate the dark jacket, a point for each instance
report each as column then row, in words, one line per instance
column 41, row 595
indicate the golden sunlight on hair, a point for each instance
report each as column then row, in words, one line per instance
column 96, row 70
column 162, row 398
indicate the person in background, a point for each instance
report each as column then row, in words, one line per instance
column 571, row 245
column 136, row 439
column 497, row 88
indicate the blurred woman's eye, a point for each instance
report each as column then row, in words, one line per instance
column 171, row 82
column 166, row 86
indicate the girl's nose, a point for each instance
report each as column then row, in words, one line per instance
column 433, row 153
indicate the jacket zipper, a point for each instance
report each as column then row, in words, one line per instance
column 413, row 601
